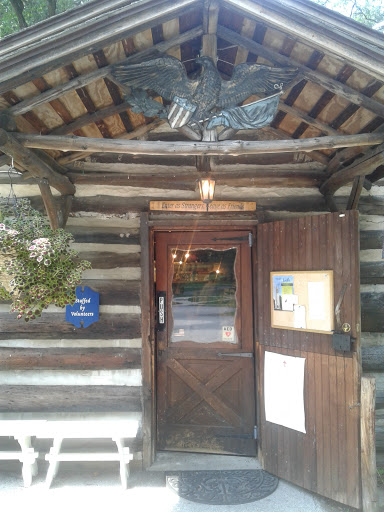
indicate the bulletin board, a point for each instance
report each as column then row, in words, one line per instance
column 302, row 301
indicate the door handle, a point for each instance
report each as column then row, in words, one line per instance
column 235, row 354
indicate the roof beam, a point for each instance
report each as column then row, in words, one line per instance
column 369, row 61
column 361, row 167
column 82, row 80
column 210, row 19
column 280, row 134
column 231, row 147
column 311, row 121
column 60, row 22
column 119, row 25
column 247, row 170
column 314, row 76
column 36, row 167
column 340, row 157
column 188, row 182
column 139, row 132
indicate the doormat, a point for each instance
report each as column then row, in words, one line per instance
column 222, row 487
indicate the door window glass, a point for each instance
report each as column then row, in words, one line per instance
column 204, row 295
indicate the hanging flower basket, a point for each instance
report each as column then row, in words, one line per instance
column 5, row 278
column 37, row 265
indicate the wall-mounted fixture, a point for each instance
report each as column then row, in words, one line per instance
column 207, row 189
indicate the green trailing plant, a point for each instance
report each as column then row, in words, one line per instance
column 37, row 265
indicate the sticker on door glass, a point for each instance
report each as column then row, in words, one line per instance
column 228, row 333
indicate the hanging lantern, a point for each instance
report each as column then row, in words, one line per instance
column 207, row 189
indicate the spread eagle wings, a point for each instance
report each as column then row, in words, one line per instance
column 164, row 75
column 253, row 79
column 167, row 76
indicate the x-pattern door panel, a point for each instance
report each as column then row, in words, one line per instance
column 205, row 364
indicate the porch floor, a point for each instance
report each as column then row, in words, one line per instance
column 177, row 461
column 97, row 488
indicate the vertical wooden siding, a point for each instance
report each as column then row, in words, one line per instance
column 326, row 458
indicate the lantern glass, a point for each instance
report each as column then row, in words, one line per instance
column 207, row 189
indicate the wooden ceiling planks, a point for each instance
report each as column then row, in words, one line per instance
column 320, row 104
column 94, row 35
column 247, row 29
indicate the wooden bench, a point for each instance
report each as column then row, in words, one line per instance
column 59, row 427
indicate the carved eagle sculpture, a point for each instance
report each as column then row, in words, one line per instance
column 192, row 101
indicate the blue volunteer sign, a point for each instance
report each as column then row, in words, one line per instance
column 85, row 309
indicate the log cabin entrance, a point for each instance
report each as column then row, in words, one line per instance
column 205, row 343
column 202, row 407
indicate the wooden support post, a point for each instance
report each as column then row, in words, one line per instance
column 149, row 413
column 64, row 210
column 354, row 197
column 210, row 19
column 368, row 452
column 49, row 203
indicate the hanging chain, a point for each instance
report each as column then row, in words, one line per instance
column 11, row 200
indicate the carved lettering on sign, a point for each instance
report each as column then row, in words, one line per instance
column 199, row 206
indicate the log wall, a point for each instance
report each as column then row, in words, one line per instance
column 49, row 365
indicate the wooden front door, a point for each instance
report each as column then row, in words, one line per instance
column 205, row 355
column 326, row 458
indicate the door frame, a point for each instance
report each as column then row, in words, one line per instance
column 148, row 229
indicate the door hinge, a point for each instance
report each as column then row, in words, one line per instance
column 250, row 239
column 255, row 432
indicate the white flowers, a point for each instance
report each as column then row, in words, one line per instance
column 41, row 249
column 11, row 232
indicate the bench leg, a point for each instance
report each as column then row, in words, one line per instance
column 28, row 459
column 124, row 465
column 53, row 462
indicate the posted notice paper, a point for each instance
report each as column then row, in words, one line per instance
column 284, row 390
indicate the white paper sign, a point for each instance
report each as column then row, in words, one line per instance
column 299, row 321
column 316, row 301
column 288, row 301
column 284, row 390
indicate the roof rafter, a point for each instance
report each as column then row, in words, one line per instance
column 45, row 28
column 126, row 24
column 83, row 80
column 363, row 57
column 315, row 76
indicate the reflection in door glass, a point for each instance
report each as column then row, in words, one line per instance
column 204, row 295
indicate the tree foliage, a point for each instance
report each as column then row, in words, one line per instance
column 368, row 12
column 18, row 14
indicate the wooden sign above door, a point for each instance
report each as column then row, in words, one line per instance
column 199, row 206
